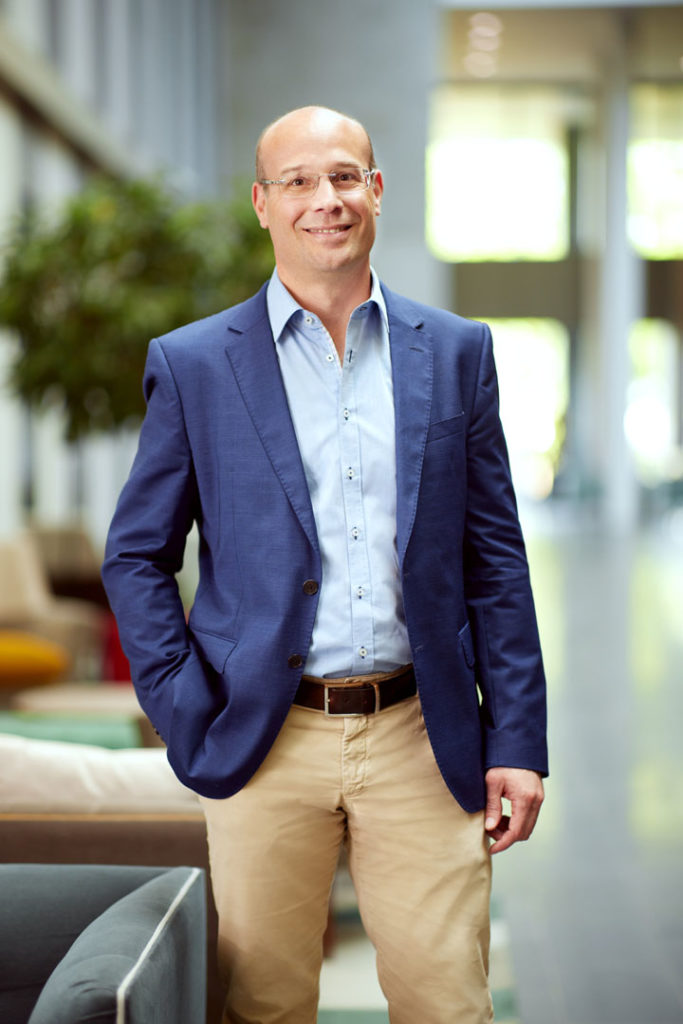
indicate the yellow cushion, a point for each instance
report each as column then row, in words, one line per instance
column 26, row 659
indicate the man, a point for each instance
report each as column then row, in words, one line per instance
column 361, row 663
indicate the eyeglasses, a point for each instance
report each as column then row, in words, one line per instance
column 353, row 179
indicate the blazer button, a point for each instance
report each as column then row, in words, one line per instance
column 295, row 661
column 310, row 587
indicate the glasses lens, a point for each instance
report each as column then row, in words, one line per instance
column 301, row 185
column 350, row 180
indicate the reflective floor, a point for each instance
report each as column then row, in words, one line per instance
column 593, row 904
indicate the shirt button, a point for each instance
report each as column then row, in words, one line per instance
column 355, row 533
column 359, row 592
column 308, row 320
column 310, row 587
column 346, row 414
column 349, row 473
column 295, row 661
column 363, row 651
column 329, row 357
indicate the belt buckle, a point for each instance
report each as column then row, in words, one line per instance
column 350, row 714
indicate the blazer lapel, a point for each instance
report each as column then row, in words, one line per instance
column 412, row 372
column 251, row 351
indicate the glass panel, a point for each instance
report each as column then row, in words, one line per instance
column 651, row 415
column 655, row 171
column 532, row 359
column 497, row 174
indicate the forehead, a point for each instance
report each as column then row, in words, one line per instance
column 314, row 140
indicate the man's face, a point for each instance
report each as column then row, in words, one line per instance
column 327, row 232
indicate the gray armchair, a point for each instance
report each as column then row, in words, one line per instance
column 112, row 944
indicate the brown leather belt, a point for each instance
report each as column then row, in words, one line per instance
column 356, row 695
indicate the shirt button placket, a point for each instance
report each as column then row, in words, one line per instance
column 359, row 580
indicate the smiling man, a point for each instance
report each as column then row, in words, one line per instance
column 361, row 664
column 321, row 247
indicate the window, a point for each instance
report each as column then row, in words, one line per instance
column 497, row 174
column 532, row 359
column 651, row 417
column 655, row 171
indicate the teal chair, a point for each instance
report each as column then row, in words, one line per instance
column 81, row 944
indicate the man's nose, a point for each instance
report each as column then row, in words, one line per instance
column 326, row 196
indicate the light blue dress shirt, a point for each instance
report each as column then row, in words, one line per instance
column 343, row 416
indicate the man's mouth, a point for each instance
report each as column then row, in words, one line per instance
column 328, row 231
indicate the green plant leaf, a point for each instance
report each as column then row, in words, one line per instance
column 122, row 263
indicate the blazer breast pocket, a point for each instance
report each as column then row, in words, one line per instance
column 445, row 428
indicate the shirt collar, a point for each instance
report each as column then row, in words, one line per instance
column 282, row 305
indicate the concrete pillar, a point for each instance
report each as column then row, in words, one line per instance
column 116, row 74
column 209, row 118
column 28, row 21
column 152, row 121
column 77, row 49
column 185, row 97
column 620, row 303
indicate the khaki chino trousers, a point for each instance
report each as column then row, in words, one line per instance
column 419, row 864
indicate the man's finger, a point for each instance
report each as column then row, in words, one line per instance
column 503, row 837
column 524, row 790
column 494, row 805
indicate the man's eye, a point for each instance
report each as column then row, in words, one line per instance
column 297, row 183
column 347, row 177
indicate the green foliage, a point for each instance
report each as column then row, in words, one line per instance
column 124, row 262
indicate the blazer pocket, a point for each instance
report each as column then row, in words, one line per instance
column 444, row 428
column 214, row 648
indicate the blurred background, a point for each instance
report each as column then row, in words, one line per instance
column 533, row 164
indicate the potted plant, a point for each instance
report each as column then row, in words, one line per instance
column 124, row 261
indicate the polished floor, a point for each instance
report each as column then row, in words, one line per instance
column 592, row 906
column 594, row 902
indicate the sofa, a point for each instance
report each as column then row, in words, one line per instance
column 70, row 803
column 91, row 943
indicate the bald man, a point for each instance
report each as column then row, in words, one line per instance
column 361, row 664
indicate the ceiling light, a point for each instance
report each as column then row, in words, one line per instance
column 482, row 65
column 486, row 23
column 481, row 42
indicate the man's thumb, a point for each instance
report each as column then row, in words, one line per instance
column 494, row 810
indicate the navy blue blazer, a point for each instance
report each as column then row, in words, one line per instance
column 217, row 446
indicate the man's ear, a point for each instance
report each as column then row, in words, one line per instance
column 258, row 200
column 377, row 191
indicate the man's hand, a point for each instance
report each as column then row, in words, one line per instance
column 524, row 790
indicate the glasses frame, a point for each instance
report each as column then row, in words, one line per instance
column 368, row 175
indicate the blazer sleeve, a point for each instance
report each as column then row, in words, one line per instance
column 510, row 671
column 145, row 549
